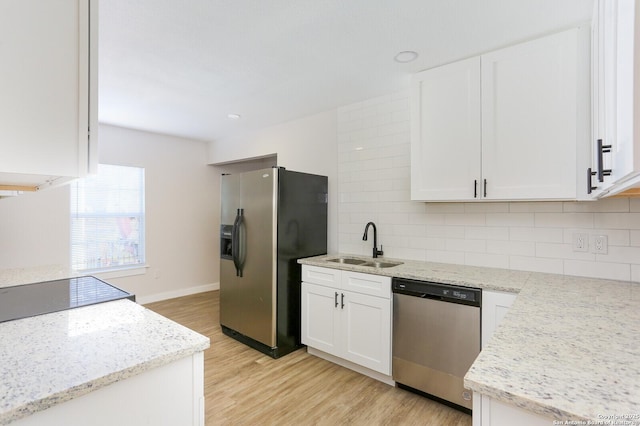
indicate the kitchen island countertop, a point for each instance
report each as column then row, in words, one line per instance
column 19, row 276
column 50, row 359
column 568, row 349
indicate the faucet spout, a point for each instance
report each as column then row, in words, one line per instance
column 376, row 252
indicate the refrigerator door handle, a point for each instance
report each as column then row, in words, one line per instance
column 237, row 242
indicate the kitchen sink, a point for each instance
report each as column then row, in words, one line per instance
column 362, row 262
column 347, row 260
column 378, row 264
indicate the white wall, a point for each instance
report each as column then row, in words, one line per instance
column 34, row 229
column 305, row 145
column 181, row 237
column 374, row 185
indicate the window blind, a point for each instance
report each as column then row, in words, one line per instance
column 107, row 219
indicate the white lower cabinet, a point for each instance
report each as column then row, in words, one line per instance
column 351, row 325
column 486, row 410
column 172, row 394
column 495, row 305
column 496, row 413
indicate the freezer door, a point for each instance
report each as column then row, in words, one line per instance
column 248, row 302
column 230, row 284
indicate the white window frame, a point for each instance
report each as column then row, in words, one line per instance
column 112, row 268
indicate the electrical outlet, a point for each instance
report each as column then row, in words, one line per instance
column 581, row 242
column 600, row 244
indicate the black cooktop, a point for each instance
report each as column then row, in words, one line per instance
column 29, row 300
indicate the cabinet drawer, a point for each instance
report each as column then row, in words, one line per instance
column 375, row 285
column 322, row 276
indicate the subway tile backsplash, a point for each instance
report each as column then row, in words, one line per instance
column 374, row 185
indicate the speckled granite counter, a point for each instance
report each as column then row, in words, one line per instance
column 569, row 347
column 18, row 276
column 468, row 276
column 49, row 359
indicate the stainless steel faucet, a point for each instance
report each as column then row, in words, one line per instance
column 376, row 252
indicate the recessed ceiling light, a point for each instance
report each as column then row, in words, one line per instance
column 406, row 56
column 233, row 116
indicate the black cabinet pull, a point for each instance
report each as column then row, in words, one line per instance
column 601, row 171
column 336, row 300
column 475, row 188
column 485, row 188
column 589, row 186
column 342, row 301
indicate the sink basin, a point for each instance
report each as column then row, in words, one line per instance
column 381, row 264
column 347, row 260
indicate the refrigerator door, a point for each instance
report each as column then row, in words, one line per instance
column 248, row 299
column 230, row 284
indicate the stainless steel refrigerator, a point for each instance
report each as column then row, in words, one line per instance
column 269, row 219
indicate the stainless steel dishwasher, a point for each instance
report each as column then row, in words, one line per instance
column 436, row 338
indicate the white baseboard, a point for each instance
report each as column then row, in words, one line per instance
column 142, row 300
column 352, row 366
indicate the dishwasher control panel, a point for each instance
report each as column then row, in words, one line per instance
column 431, row 290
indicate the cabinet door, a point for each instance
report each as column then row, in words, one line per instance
column 615, row 96
column 366, row 330
column 626, row 102
column 529, row 119
column 44, row 81
column 603, row 91
column 320, row 320
column 495, row 305
column 445, row 132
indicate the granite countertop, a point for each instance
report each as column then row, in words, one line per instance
column 569, row 347
column 467, row 276
column 19, row 276
column 49, row 359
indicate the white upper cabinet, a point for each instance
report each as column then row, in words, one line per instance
column 446, row 132
column 615, row 97
column 508, row 125
column 49, row 96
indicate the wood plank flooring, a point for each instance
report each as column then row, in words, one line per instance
column 245, row 387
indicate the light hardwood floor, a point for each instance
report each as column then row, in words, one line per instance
column 245, row 387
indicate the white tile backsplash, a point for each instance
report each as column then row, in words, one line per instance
column 374, row 185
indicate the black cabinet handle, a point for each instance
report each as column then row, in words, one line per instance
column 336, row 300
column 601, row 171
column 589, row 186
column 342, row 301
column 485, row 188
column 475, row 188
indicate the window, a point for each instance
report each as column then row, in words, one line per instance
column 107, row 219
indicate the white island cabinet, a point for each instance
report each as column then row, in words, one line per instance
column 347, row 316
column 169, row 395
column 114, row 363
column 48, row 82
column 512, row 124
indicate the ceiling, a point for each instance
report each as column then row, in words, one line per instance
column 180, row 67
